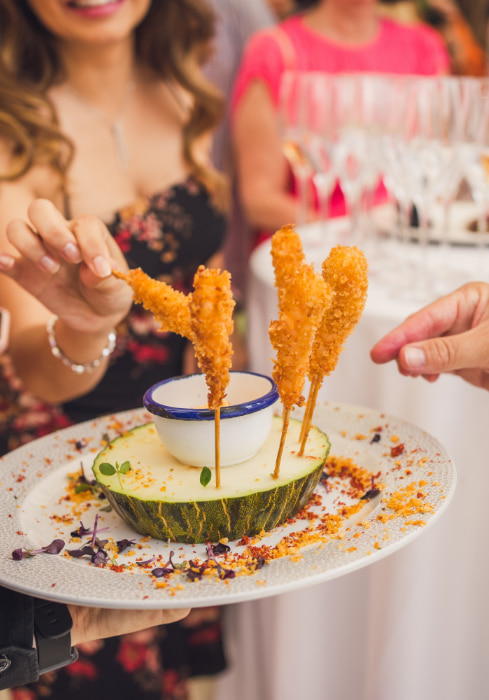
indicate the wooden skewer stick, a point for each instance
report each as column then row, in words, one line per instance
column 307, row 414
column 217, row 445
column 285, row 426
column 311, row 405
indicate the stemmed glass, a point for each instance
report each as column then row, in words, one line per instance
column 475, row 159
column 352, row 154
column 318, row 138
column 427, row 152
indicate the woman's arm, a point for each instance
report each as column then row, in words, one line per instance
column 262, row 169
column 54, row 266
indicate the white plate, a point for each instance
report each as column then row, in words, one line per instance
column 33, row 512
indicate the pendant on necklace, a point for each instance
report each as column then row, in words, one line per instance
column 120, row 144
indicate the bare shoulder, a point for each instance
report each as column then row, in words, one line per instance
column 17, row 193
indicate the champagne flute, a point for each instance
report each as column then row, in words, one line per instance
column 352, row 151
column 319, row 141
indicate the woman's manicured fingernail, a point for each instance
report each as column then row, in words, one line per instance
column 6, row 261
column 101, row 266
column 414, row 358
column 48, row 264
column 72, row 253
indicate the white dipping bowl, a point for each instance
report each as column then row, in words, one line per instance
column 187, row 429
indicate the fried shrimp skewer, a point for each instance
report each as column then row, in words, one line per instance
column 287, row 256
column 211, row 323
column 345, row 270
column 169, row 306
column 302, row 294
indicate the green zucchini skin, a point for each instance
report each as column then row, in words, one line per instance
column 212, row 519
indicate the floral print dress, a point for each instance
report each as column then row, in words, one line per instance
column 168, row 235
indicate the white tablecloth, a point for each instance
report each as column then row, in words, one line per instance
column 414, row 626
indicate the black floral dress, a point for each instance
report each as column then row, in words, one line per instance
column 168, row 235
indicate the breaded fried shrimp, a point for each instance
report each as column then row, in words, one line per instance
column 169, row 306
column 300, row 309
column 211, row 323
column 287, row 256
column 346, row 271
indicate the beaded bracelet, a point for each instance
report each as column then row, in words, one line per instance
column 75, row 366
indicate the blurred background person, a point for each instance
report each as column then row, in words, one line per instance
column 467, row 54
column 282, row 8
column 331, row 36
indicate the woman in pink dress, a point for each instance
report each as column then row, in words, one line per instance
column 333, row 36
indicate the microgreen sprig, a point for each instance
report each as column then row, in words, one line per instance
column 108, row 469
column 205, row 476
column 54, row 547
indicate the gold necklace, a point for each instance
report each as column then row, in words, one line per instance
column 115, row 127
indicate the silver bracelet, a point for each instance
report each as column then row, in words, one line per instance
column 75, row 366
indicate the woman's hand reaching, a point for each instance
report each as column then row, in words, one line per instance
column 63, row 268
column 67, row 266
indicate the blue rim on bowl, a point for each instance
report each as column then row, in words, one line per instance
column 235, row 410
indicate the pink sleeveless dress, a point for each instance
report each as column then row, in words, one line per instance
column 397, row 49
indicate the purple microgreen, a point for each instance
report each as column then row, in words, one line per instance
column 83, row 484
column 220, row 548
column 205, row 476
column 223, row 573
column 20, row 553
column 145, row 563
column 97, row 557
column 94, row 532
column 226, row 573
column 124, row 544
column 85, row 551
column 100, row 557
column 376, row 438
column 82, row 530
column 370, row 494
column 167, row 569
column 195, row 575
column 54, row 547
column 259, row 561
column 323, row 479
